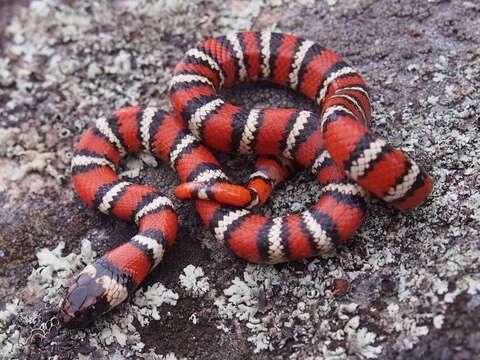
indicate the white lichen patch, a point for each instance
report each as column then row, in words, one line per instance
column 134, row 164
column 169, row 356
column 10, row 309
column 11, row 342
column 361, row 343
column 37, row 162
column 251, row 300
column 118, row 328
column 69, row 64
column 194, row 281
column 35, row 40
column 146, row 303
column 7, row 140
column 438, row 321
column 114, row 333
column 50, row 279
column 55, row 271
column 241, row 301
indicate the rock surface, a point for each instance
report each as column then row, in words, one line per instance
column 414, row 277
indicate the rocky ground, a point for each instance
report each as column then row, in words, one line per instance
column 414, row 280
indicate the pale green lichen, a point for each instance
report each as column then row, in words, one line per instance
column 420, row 252
column 55, row 272
column 194, row 281
column 37, row 162
column 148, row 302
column 243, row 300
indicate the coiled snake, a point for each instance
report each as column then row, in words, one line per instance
column 344, row 155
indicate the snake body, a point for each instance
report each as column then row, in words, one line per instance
column 345, row 156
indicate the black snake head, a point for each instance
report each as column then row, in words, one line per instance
column 94, row 292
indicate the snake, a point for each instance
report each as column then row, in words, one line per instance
column 335, row 144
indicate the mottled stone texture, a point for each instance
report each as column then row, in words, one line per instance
column 413, row 277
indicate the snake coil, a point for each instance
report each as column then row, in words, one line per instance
column 345, row 156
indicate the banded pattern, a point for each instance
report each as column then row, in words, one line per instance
column 335, row 145
column 319, row 74
column 110, row 279
column 292, row 134
column 298, row 135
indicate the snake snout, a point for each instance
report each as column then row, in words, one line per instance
column 73, row 321
column 84, row 302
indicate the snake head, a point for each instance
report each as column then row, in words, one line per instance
column 94, row 292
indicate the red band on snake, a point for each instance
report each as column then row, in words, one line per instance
column 335, row 145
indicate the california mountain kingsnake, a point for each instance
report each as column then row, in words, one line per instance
column 301, row 136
